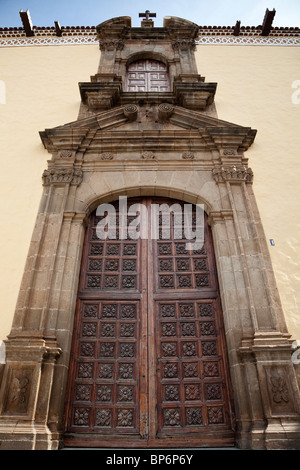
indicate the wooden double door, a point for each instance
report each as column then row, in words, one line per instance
column 148, row 366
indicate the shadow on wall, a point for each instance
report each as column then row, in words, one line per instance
column 2, row 359
column 2, row 92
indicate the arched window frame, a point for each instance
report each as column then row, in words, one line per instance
column 143, row 78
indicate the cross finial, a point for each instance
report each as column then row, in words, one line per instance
column 147, row 15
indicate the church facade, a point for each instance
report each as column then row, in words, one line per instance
column 135, row 341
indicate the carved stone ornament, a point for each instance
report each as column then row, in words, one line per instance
column 148, row 155
column 188, row 156
column 227, row 152
column 18, row 395
column 131, row 111
column 232, row 174
column 184, row 45
column 106, row 156
column 165, row 110
column 280, row 392
column 66, row 154
column 111, row 45
column 62, row 175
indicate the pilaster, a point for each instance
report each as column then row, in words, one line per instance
column 32, row 347
column 269, row 414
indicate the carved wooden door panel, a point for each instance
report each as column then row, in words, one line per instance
column 192, row 379
column 147, row 75
column 105, row 389
column 148, row 364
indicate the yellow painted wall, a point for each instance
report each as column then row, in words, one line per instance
column 254, row 89
column 41, row 92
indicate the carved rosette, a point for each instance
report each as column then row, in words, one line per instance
column 228, row 152
column 107, row 156
column 148, row 155
column 188, row 156
column 65, row 154
column 232, row 174
column 62, row 175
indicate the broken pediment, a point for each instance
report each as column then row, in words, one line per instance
column 120, row 27
column 114, row 27
column 163, row 125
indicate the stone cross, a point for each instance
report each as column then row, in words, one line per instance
column 147, row 15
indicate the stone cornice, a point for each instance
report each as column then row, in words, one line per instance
column 193, row 131
column 161, row 140
column 63, row 138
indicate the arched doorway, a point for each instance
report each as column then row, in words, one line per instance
column 148, row 365
column 147, row 75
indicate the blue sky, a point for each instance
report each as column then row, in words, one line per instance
column 202, row 12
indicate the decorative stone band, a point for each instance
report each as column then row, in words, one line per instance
column 248, row 41
column 62, row 175
column 47, row 41
column 14, row 40
column 234, row 174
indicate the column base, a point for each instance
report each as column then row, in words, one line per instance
column 272, row 436
column 283, row 436
column 27, row 436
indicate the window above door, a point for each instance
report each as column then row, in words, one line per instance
column 147, row 76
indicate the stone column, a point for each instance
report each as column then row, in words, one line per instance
column 63, row 306
column 32, row 347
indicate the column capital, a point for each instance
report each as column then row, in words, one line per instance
column 62, row 176
column 232, row 174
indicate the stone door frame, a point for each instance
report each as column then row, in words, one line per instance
column 263, row 378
